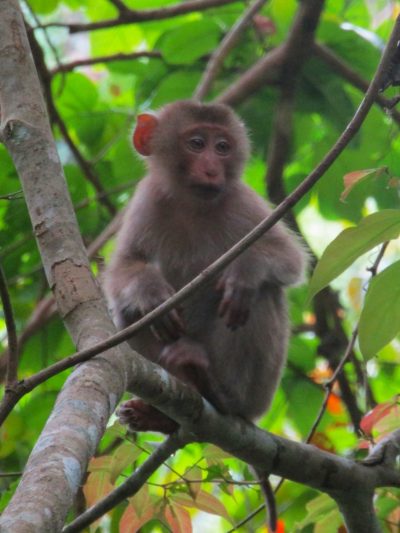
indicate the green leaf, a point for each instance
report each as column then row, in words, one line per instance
column 177, row 86
column 190, row 41
column 317, row 509
column 43, row 7
column 351, row 244
column 380, row 317
column 123, row 456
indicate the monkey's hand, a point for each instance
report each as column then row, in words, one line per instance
column 147, row 295
column 235, row 302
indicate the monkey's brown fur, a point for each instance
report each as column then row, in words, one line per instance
column 228, row 339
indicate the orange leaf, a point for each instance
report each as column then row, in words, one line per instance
column 375, row 415
column 280, row 526
column 322, row 442
column 123, row 456
column 352, row 178
column 96, row 487
column 320, row 374
column 334, row 405
column 204, row 502
column 130, row 521
column 178, row 519
column 100, row 464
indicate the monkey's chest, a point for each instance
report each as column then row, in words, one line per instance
column 181, row 259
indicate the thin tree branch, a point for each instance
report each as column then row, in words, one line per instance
column 228, row 42
column 131, row 485
column 329, row 385
column 86, row 167
column 348, row 353
column 12, row 363
column 67, row 67
column 131, row 16
column 121, row 7
column 344, row 70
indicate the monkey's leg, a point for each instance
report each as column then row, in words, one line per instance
column 188, row 361
column 184, row 359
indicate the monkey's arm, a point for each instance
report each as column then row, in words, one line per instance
column 135, row 287
column 276, row 259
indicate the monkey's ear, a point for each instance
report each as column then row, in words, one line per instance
column 145, row 128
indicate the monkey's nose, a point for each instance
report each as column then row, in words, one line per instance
column 211, row 172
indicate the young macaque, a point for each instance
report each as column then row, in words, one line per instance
column 228, row 340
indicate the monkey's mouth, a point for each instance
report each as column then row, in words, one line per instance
column 206, row 191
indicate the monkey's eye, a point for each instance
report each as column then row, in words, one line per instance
column 196, row 143
column 223, row 147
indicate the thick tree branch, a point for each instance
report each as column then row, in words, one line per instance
column 54, row 470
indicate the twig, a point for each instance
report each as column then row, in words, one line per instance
column 12, row 363
column 67, row 67
column 349, row 350
column 131, row 485
column 130, row 16
column 228, row 42
column 17, row 195
column 56, row 117
column 45, row 33
column 329, row 384
column 346, row 72
column 119, row 5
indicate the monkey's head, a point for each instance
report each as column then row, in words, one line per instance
column 200, row 149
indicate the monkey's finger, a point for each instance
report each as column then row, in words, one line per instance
column 173, row 325
column 167, row 329
column 226, row 301
column 178, row 321
column 155, row 333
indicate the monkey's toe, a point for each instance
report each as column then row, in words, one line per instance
column 139, row 416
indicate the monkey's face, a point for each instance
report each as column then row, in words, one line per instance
column 207, row 154
column 196, row 150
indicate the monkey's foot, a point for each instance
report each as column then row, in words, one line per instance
column 140, row 416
